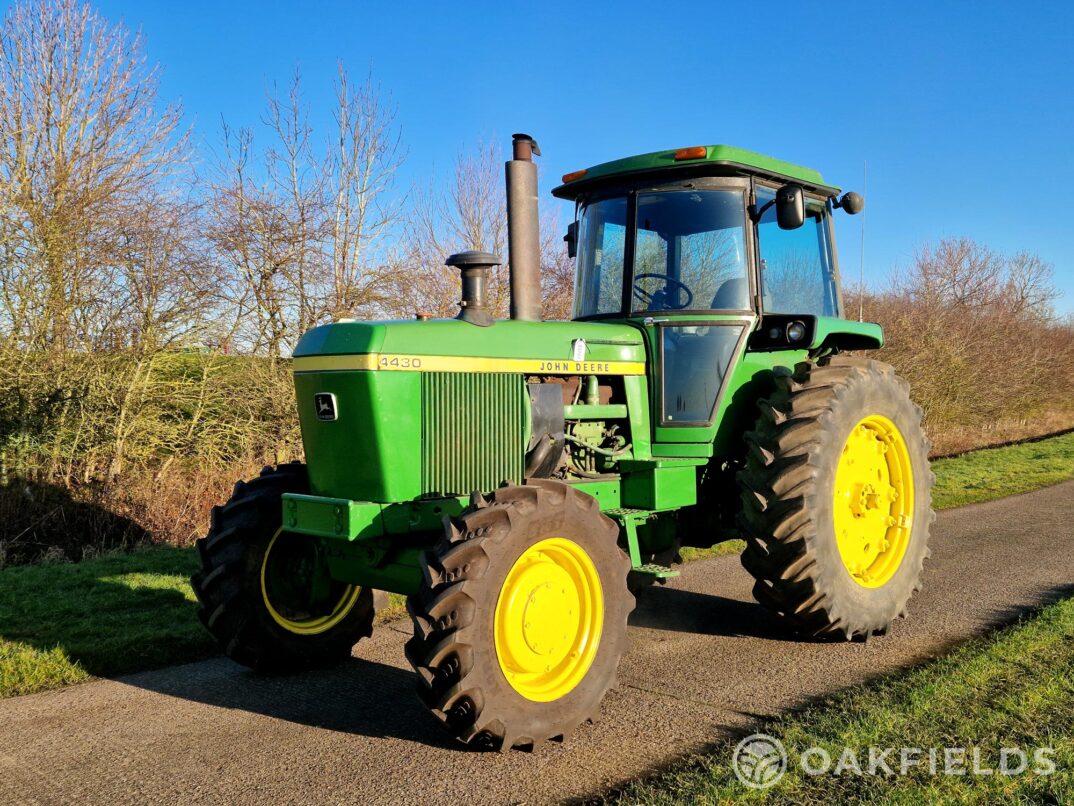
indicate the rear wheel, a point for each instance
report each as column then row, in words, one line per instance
column 521, row 623
column 266, row 594
column 837, row 498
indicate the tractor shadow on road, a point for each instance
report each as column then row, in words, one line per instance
column 358, row 696
column 678, row 610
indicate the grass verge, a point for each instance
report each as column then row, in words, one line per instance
column 996, row 472
column 61, row 624
column 1012, row 689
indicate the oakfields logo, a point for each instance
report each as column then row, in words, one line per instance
column 761, row 760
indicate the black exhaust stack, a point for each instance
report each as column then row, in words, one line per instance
column 523, row 236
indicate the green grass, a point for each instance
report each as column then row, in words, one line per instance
column 1014, row 689
column 996, row 472
column 61, row 624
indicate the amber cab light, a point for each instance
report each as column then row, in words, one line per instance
column 692, row 153
column 574, row 175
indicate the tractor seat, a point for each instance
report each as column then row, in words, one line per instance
column 732, row 295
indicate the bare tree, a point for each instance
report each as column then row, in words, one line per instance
column 557, row 270
column 299, row 233
column 81, row 139
column 250, row 234
column 165, row 284
column 1029, row 289
column 469, row 214
column 300, row 180
column 361, row 169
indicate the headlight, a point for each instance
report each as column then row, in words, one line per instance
column 796, row 331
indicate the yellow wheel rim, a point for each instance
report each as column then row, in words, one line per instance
column 548, row 619
column 874, row 501
column 296, row 588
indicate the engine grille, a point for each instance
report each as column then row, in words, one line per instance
column 473, row 431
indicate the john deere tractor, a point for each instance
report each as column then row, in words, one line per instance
column 518, row 480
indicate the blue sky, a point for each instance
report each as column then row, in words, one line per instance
column 964, row 111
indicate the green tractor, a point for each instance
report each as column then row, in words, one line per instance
column 520, row 480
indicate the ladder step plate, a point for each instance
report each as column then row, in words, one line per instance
column 654, row 570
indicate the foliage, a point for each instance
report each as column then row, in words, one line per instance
column 99, row 450
column 973, row 332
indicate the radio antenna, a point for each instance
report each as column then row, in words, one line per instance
column 861, row 256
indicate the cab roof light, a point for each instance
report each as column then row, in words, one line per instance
column 692, row 153
column 574, row 175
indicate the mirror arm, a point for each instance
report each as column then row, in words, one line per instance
column 756, row 213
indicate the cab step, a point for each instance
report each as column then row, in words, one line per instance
column 654, row 570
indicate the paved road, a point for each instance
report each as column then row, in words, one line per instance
column 705, row 659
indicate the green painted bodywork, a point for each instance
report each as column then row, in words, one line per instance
column 375, row 504
column 335, row 518
column 718, row 159
column 846, row 334
column 387, row 467
column 452, row 337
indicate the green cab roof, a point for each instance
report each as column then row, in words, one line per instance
column 718, row 160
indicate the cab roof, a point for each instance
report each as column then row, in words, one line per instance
column 718, row 160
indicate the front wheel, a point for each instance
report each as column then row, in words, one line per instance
column 836, row 498
column 266, row 594
column 521, row 622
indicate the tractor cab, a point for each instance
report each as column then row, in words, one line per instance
column 703, row 230
column 702, row 247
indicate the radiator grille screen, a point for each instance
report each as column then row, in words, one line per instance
column 473, row 431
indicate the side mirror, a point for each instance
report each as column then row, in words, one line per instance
column 790, row 207
column 852, row 202
column 572, row 239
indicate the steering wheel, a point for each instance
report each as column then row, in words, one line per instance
column 661, row 297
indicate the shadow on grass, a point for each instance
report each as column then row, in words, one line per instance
column 41, row 521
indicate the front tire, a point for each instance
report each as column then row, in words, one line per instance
column 836, row 498
column 265, row 594
column 521, row 622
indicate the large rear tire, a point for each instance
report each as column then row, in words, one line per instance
column 265, row 594
column 836, row 498
column 521, row 622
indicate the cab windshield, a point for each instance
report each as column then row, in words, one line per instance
column 689, row 253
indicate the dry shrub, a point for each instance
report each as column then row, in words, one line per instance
column 107, row 450
column 973, row 332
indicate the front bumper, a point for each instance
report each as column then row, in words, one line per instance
column 332, row 518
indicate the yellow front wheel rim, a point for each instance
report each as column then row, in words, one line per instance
column 874, row 501
column 548, row 619
column 312, row 615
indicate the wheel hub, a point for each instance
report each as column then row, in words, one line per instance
column 873, row 501
column 548, row 619
column 296, row 589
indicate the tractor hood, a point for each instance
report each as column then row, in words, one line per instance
column 449, row 345
column 396, row 411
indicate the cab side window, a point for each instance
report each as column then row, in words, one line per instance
column 797, row 275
